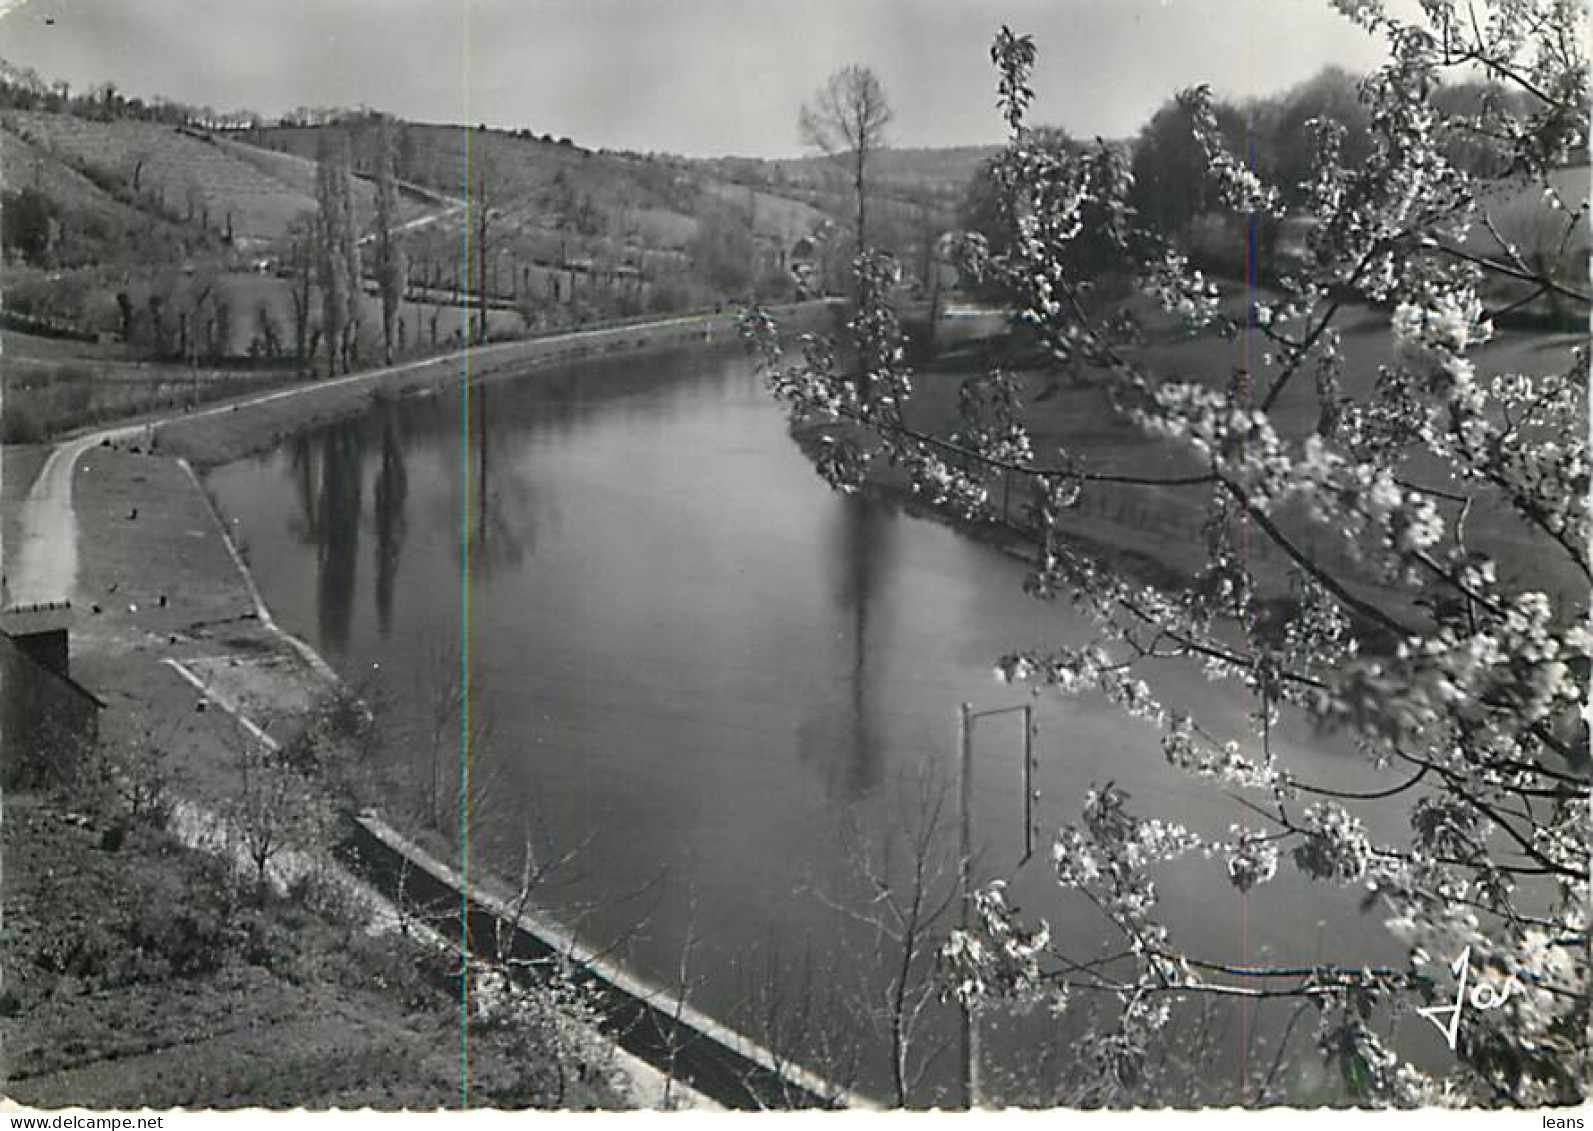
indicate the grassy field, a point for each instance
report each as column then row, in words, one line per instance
column 24, row 163
column 1524, row 218
column 45, row 399
column 183, row 171
column 189, row 173
column 250, row 290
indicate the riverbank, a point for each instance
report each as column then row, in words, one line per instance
column 1158, row 536
column 295, row 1003
column 233, row 430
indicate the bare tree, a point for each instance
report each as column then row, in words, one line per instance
column 303, row 238
column 480, row 204
column 846, row 120
column 805, row 1015
column 390, row 269
column 339, row 258
column 906, row 909
column 275, row 810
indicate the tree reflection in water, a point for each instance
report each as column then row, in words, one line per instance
column 338, row 561
column 496, row 540
column 389, row 495
column 844, row 736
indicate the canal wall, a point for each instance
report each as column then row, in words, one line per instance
column 228, row 431
column 650, row 1022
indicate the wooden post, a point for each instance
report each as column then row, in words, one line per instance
column 1030, row 831
column 967, row 1037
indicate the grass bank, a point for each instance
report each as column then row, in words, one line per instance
column 235, row 429
column 1156, row 534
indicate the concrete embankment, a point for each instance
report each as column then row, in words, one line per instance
column 648, row 1021
column 229, row 431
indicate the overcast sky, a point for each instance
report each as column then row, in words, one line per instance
column 699, row 77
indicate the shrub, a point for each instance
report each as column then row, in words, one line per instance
column 76, row 949
column 30, row 221
column 20, row 423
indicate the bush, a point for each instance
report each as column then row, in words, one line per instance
column 30, row 222
column 20, row 423
column 76, row 949
column 1220, row 245
column 134, row 783
column 669, row 296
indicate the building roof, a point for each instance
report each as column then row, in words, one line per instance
column 30, row 620
column 8, row 644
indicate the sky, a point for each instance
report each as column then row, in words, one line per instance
column 695, row 77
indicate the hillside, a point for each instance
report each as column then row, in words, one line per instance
column 170, row 238
column 913, row 175
column 914, row 194
column 634, row 201
column 188, row 175
column 96, row 225
column 569, row 226
column 176, row 168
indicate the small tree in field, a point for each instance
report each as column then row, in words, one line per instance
column 1459, row 679
column 274, row 811
column 846, row 120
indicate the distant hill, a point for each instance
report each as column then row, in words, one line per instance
column 188, row 175
column 160, row 226
column 636, row 201
column 914, row 194
column 913, row 175
column 100, row 221
column 563, row 218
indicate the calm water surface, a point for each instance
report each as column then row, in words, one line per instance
column 705, row 668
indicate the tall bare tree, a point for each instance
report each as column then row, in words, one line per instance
column 846, row 120
column 339, row 252
column 303, row 237
column 481, row 206
column 390, row 268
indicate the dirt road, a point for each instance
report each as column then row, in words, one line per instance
column 41, row 564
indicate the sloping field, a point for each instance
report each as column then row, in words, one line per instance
column 179, row 166
column 434, row 156
column 298, row 173
column 95, row 225
column 25, row 165
column 779, row 218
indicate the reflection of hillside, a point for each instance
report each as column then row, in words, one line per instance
column 480, row 496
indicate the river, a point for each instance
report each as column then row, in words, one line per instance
column 700, row 670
